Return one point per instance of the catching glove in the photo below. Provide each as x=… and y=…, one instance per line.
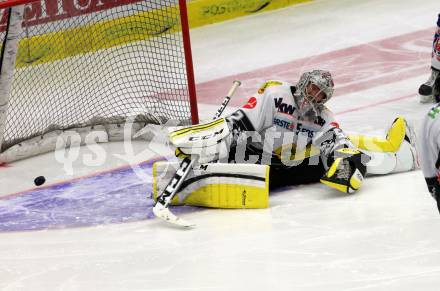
x=347, y=171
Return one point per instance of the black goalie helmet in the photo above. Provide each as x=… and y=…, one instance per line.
x=314, y=89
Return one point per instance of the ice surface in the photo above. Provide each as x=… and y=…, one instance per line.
x=95, y=226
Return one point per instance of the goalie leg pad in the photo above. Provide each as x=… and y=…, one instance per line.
x=394, y=139
x=208, y=142
x=217, y=185
x=201, y=135
x=397, y=153
x=405, y=159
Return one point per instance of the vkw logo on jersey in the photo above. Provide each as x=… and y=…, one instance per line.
x=283, y=107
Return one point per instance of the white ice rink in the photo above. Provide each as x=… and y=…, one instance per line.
x=91, y=228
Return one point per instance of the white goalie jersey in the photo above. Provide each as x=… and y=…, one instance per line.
x=273, y=112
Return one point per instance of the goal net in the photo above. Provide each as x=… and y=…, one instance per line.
x=83, y=63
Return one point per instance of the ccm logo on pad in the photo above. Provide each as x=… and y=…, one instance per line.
x=203, y=137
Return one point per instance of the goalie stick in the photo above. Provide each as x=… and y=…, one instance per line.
x=160, y=209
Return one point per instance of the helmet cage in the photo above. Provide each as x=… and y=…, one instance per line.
x=322, y=80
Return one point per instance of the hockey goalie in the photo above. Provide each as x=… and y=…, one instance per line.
x=284, y=135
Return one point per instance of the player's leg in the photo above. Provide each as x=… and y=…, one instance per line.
x=305, y=173
x=430, y=90
x=217, y=185
x=396, y=153
x=310, y=170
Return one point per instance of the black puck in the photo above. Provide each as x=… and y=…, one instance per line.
x=39, y=180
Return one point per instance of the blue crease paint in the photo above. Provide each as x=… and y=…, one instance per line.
x=118, y=196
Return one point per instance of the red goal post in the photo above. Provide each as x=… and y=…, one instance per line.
x=84, y=64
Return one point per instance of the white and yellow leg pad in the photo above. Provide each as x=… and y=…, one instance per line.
x=394, y=139
x=207, y=141
x=217, y=185
x=393, y=154
x=200, y=135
